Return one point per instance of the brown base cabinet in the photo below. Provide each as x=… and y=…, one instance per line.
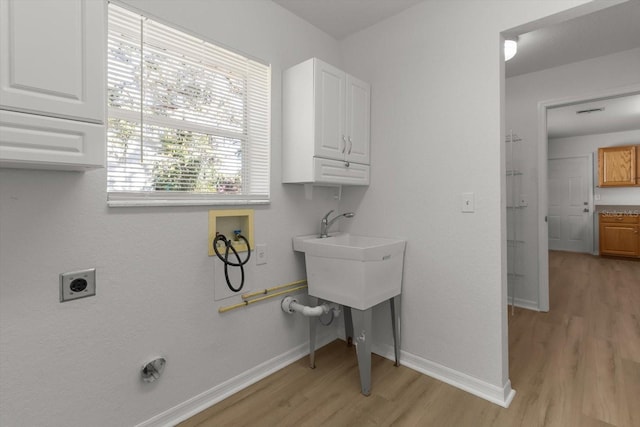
x=620, y=235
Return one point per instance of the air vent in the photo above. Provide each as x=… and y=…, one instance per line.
x=590, y=110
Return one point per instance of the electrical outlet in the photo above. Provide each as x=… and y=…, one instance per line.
x=261, y=254
x=77, y=284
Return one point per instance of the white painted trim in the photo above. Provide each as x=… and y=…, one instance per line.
x=543, y=142
x=199, y=403
x=526, y=304
x=502, y=396
x=543, y=209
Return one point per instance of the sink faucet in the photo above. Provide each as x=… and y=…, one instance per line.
x=326, y=223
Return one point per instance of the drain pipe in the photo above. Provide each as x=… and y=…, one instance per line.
x=290, y=305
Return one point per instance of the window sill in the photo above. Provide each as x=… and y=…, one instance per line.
x=117, y=200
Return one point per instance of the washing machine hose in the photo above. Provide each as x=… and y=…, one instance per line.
x=225, y=259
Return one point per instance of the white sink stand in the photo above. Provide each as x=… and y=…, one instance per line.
x=360, y=322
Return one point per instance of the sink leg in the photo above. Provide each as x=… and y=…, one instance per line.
x=348, y=325
x=395, y=325
x=362, y=320
x=313, y=322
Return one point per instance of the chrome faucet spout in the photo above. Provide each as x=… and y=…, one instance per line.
x=325, y=223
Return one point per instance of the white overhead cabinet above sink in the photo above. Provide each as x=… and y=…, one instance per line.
x=326, y=120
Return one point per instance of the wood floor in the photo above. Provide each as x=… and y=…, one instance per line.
x=578, y=365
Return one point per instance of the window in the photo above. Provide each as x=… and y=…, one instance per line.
x=188, y=120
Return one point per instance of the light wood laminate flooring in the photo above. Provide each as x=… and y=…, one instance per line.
x=578, y=365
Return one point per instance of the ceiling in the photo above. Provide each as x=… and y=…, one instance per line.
x=341, y=18
x=607, y=31
x=620, y=114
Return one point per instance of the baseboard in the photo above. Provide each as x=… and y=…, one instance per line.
x=499, y=395
x=524, y=303
x=193, y=406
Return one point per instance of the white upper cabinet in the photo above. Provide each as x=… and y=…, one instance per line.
x=325, y=117
x=52, y=83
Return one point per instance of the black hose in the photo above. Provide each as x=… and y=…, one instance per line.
x=225, y=259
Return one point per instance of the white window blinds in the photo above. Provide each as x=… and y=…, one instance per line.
x=188, y=120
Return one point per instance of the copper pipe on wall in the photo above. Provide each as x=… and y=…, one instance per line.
x=251, y=301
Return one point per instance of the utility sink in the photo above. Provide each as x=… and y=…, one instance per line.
x=356, y=271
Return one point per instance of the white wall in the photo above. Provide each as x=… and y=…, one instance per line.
x=523, y=93
x=78, y=363
x=436, y=81
x=588, y=145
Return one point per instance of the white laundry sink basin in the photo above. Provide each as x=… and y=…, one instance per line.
x=356, y=271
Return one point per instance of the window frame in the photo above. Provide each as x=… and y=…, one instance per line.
x=185, y=198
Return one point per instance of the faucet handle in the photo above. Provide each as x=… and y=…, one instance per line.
x=326, y=217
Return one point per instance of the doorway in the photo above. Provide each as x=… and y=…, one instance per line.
x=543, y=176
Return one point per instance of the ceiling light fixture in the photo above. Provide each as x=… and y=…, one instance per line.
x=510, y=47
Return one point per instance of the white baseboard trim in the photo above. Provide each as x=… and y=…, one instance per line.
x=524, y=303
x=499, y=395
x=199, y=403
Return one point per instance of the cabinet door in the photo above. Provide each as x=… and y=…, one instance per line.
x=619, y=239
x=52, y=59
x=358, y=120
x=617, y=166
x=638, y=165
x=330, y=138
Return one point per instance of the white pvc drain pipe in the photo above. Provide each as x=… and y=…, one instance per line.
x=290, y=305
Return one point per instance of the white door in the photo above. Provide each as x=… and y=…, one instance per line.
x=570, y=217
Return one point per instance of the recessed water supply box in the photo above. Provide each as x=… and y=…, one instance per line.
x=227, y=222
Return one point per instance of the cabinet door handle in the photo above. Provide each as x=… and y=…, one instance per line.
x=350, y=145
x=344, y=144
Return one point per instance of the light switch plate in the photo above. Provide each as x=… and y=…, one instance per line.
x=468, y=203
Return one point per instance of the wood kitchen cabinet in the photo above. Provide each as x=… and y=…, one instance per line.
x=52, y=84
x=326, y=125
x=620, y=235
x=619, y=166
x=638, y=165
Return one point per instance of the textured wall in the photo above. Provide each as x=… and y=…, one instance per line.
x=154, y=278
x=436, y=133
